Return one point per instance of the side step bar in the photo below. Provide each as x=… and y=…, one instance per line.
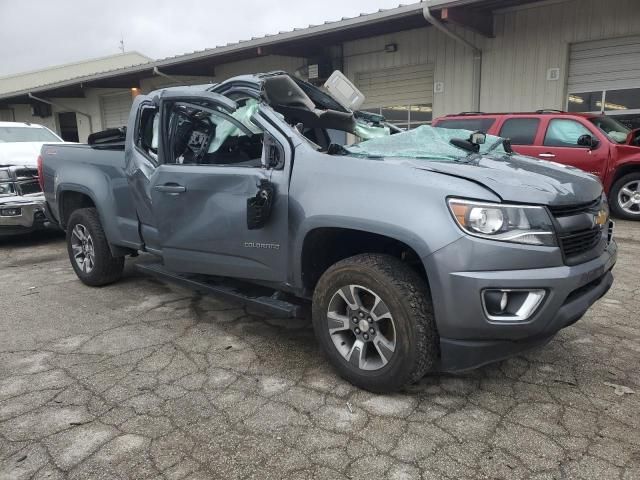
x=228, y=289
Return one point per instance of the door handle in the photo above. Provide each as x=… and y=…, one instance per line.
x=547, y=155
x=170, y=188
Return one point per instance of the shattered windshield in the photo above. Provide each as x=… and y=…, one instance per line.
x=425, y=143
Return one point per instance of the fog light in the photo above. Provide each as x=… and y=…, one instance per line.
x=508, y=305
x=10, y=212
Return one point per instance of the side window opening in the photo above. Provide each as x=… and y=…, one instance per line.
x=147, y=131
x=473, y=124
x=521, y=131
x=319, y=136
x=565, y=133
x=205, y=136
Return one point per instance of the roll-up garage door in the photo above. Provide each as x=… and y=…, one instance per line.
x=115, y=109
x=7, y=115
x=408, y=85
x=612, y=64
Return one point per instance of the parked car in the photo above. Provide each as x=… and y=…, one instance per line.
x=597, y=144
x=21, y=199
x=416, y=255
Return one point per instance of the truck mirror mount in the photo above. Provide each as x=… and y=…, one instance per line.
x=472, y=144
x=273, y=154
x=588, y=141
x=478, y=138
x=259, y=207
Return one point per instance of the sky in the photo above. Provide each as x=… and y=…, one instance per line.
x=36, y=34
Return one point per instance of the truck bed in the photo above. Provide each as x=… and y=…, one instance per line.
x=93, y=175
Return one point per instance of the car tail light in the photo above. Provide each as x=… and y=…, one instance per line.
x=40, y=173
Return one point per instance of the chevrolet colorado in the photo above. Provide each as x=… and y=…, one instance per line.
x=419, y=251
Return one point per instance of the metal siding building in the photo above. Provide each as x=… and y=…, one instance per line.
x=534, y=38
x=89, y=102
x=554, y=54
x=425, y=50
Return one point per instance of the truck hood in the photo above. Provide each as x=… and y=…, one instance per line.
x=513, y=178
x=516, y=178
x=20, y=153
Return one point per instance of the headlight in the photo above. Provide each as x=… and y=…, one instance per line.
x=6, y=189
x=4, y=175
x=505, y=223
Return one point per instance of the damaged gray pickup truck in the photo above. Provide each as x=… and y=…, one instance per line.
x=426, y=250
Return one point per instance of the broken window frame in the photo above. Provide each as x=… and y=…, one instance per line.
x=170, y=153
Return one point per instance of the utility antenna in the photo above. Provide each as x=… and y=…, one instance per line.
x=121, y=43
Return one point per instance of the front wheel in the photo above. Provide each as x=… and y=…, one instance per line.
x=625, y=197
x=89, y=250
x=373, y=318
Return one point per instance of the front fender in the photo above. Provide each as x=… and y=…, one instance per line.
x=421, y=245
x=389, y=198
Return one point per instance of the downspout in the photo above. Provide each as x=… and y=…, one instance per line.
x=65, y=108
x=156, y=71
x=477, y=54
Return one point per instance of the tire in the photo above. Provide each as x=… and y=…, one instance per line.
x=617, y=196
x=104, y=268
x=407, y=299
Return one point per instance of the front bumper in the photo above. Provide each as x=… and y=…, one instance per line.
x=468, y=339
x=30, y=218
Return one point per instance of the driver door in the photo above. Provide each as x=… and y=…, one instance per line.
x=560, y=143
x=213, y=160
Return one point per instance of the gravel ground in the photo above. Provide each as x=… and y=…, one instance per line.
x=145, y=380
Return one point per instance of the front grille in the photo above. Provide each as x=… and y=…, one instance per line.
x=577, y=243
x=29, y=188
x=568, y=210
x=26, y=173
x=578, y=233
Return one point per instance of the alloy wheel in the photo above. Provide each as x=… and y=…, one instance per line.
x=83, y=249
x=629, y=197
x=361, y=327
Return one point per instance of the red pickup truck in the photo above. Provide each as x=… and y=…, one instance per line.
x=597, y=144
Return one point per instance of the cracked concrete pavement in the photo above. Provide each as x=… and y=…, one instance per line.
x=145, y=380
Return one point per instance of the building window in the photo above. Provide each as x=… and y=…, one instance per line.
x=617, y=100
x=610, y=101
x=406, y=117
x=397, y=115
x=584, y=102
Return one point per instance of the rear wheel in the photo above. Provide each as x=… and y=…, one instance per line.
x=625, y=197
x=89, y=251
x=372, y=315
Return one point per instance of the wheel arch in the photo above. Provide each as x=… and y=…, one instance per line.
x=631, y=166
x=325, y=244
x=77, y=197
x=72, y=199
